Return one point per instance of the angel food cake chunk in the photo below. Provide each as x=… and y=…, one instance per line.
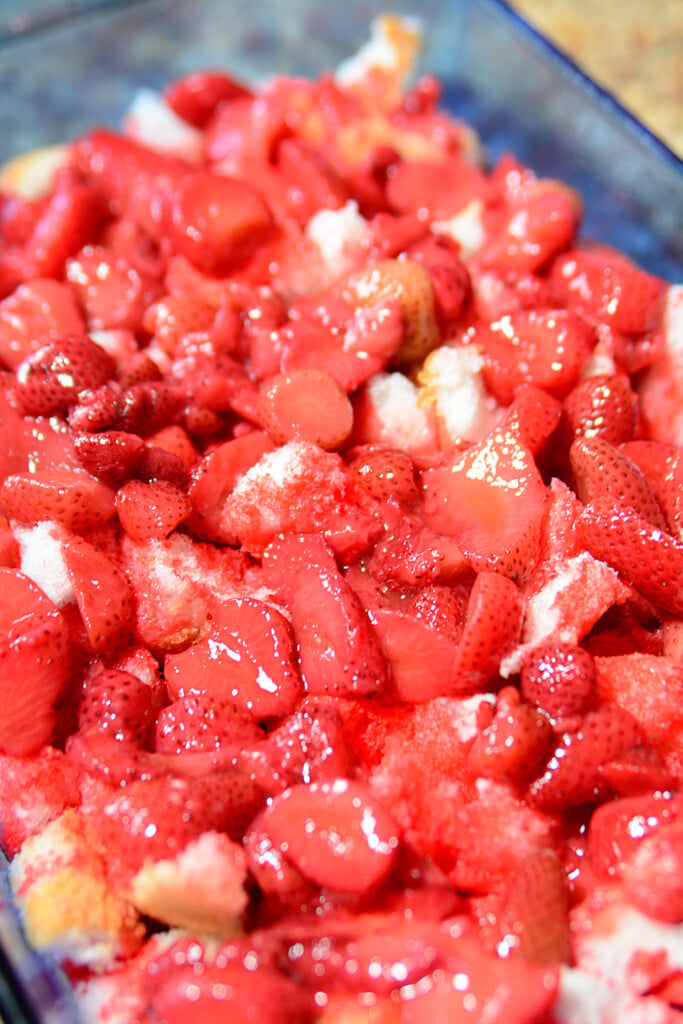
x=341, y=569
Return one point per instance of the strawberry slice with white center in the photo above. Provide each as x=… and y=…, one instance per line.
x=247, y=658
x=491, y=499
x=34, y=663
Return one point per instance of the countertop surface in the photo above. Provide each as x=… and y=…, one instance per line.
x=631, y=48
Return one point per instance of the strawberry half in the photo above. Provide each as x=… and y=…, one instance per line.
x=601, y=470
x=492, y=625
x=34, y=663
x=305, y=404
x=119, y=704
x=150, y=511
x=103, y=594
x=51, y=379
x=36, y=311
x=74, y=499
x=491, y=499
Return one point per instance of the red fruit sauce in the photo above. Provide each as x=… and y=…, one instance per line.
x=341, y=573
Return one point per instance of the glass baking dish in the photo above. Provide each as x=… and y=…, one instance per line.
x=64, y=67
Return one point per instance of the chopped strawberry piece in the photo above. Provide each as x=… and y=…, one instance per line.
x=559, y=679
x=602, y=406
x=36, y=311
x=305, y=404
x=545, y=348
x=75, y=500
x=442, y=608
x=437, y=191
x=420, y=658
x=197, y=96
x=110, y=290
x=409, y=284
x=48, y=772
x=339, y=652
x=617, y=828
x=51, y=379
x=150, y=511
x=215, y=476
x=385, y=472
x=491, y=499
x=292, y=553
x=335, y=833
x=105, y=599
x=34, y=664
x=248, y=657
x=512, y=746
x=71, y=216
x=492, y=625
x=601, y=470
x=644, y=555
x=217, y=221
x=9, y=549
x=112, y=455
x=200, y=723
x=119, y=704
x=311, y=182
x=532, y=415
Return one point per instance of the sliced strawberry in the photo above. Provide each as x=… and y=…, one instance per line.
x=216, y=475
x=442, y=608
x=305, y=404
x=37, y=310
x=532, y=415
x=51, y=379
x=601, y=470
x=412, y=554
x=385, y=472
x=602, y=406
x=653, y=877
x=491, y=499
x=118, y=704
x=105, y=599
x=573, y=774
x=75, y=500
x=150, y=511
x=248, y=658
x=649, y=688
x=617, y=828
x=492, y=626
x=546, y=348
x=291, y=553
x=217, y=221
x=670, y=494
x=111, y=456
x=420, y=658
x=34, y=663
x=9, y=549
x=436, y=190
x=539, y=221
x=200, y=724
x=197, y=96
x=409, y=284
x=310, y=181
x=605, y=286
x=110, y=290
x=646, y=557
x=335, y=833
x=69, y=219
x=338, y=650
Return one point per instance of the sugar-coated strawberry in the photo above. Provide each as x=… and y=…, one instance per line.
x=492, y=626
x=248, y=657
x=336, y=833
x=545, y=348
x=648, y=687
x=118, y=704
x=216, y=474
x=605, y=286
x=103, y=594
x=491, y=499
x=644, y=555
x=385, y=472
x=339, y=652
x=573, y=774
x=409, y=284
x=75, y=500
x=34, y=663
x=110, y=290
x=35, y=311
x=51, y=379
x=602, y=470
x=200, y=723
x=442, y=608
x=157, y=818
x=559, y=679
x=603, y=406
x=48, y=772
x=512, y=746
x=216, y=221
x=111, y=455
x=150, y=511
x=305, y=404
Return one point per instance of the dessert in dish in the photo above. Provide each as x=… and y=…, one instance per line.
x=341, y=569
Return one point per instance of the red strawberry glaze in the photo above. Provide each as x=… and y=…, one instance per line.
x=341, y=611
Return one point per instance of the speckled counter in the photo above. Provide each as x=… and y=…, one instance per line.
x=633, y=49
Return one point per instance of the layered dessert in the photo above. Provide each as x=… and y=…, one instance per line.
x=341, y=569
